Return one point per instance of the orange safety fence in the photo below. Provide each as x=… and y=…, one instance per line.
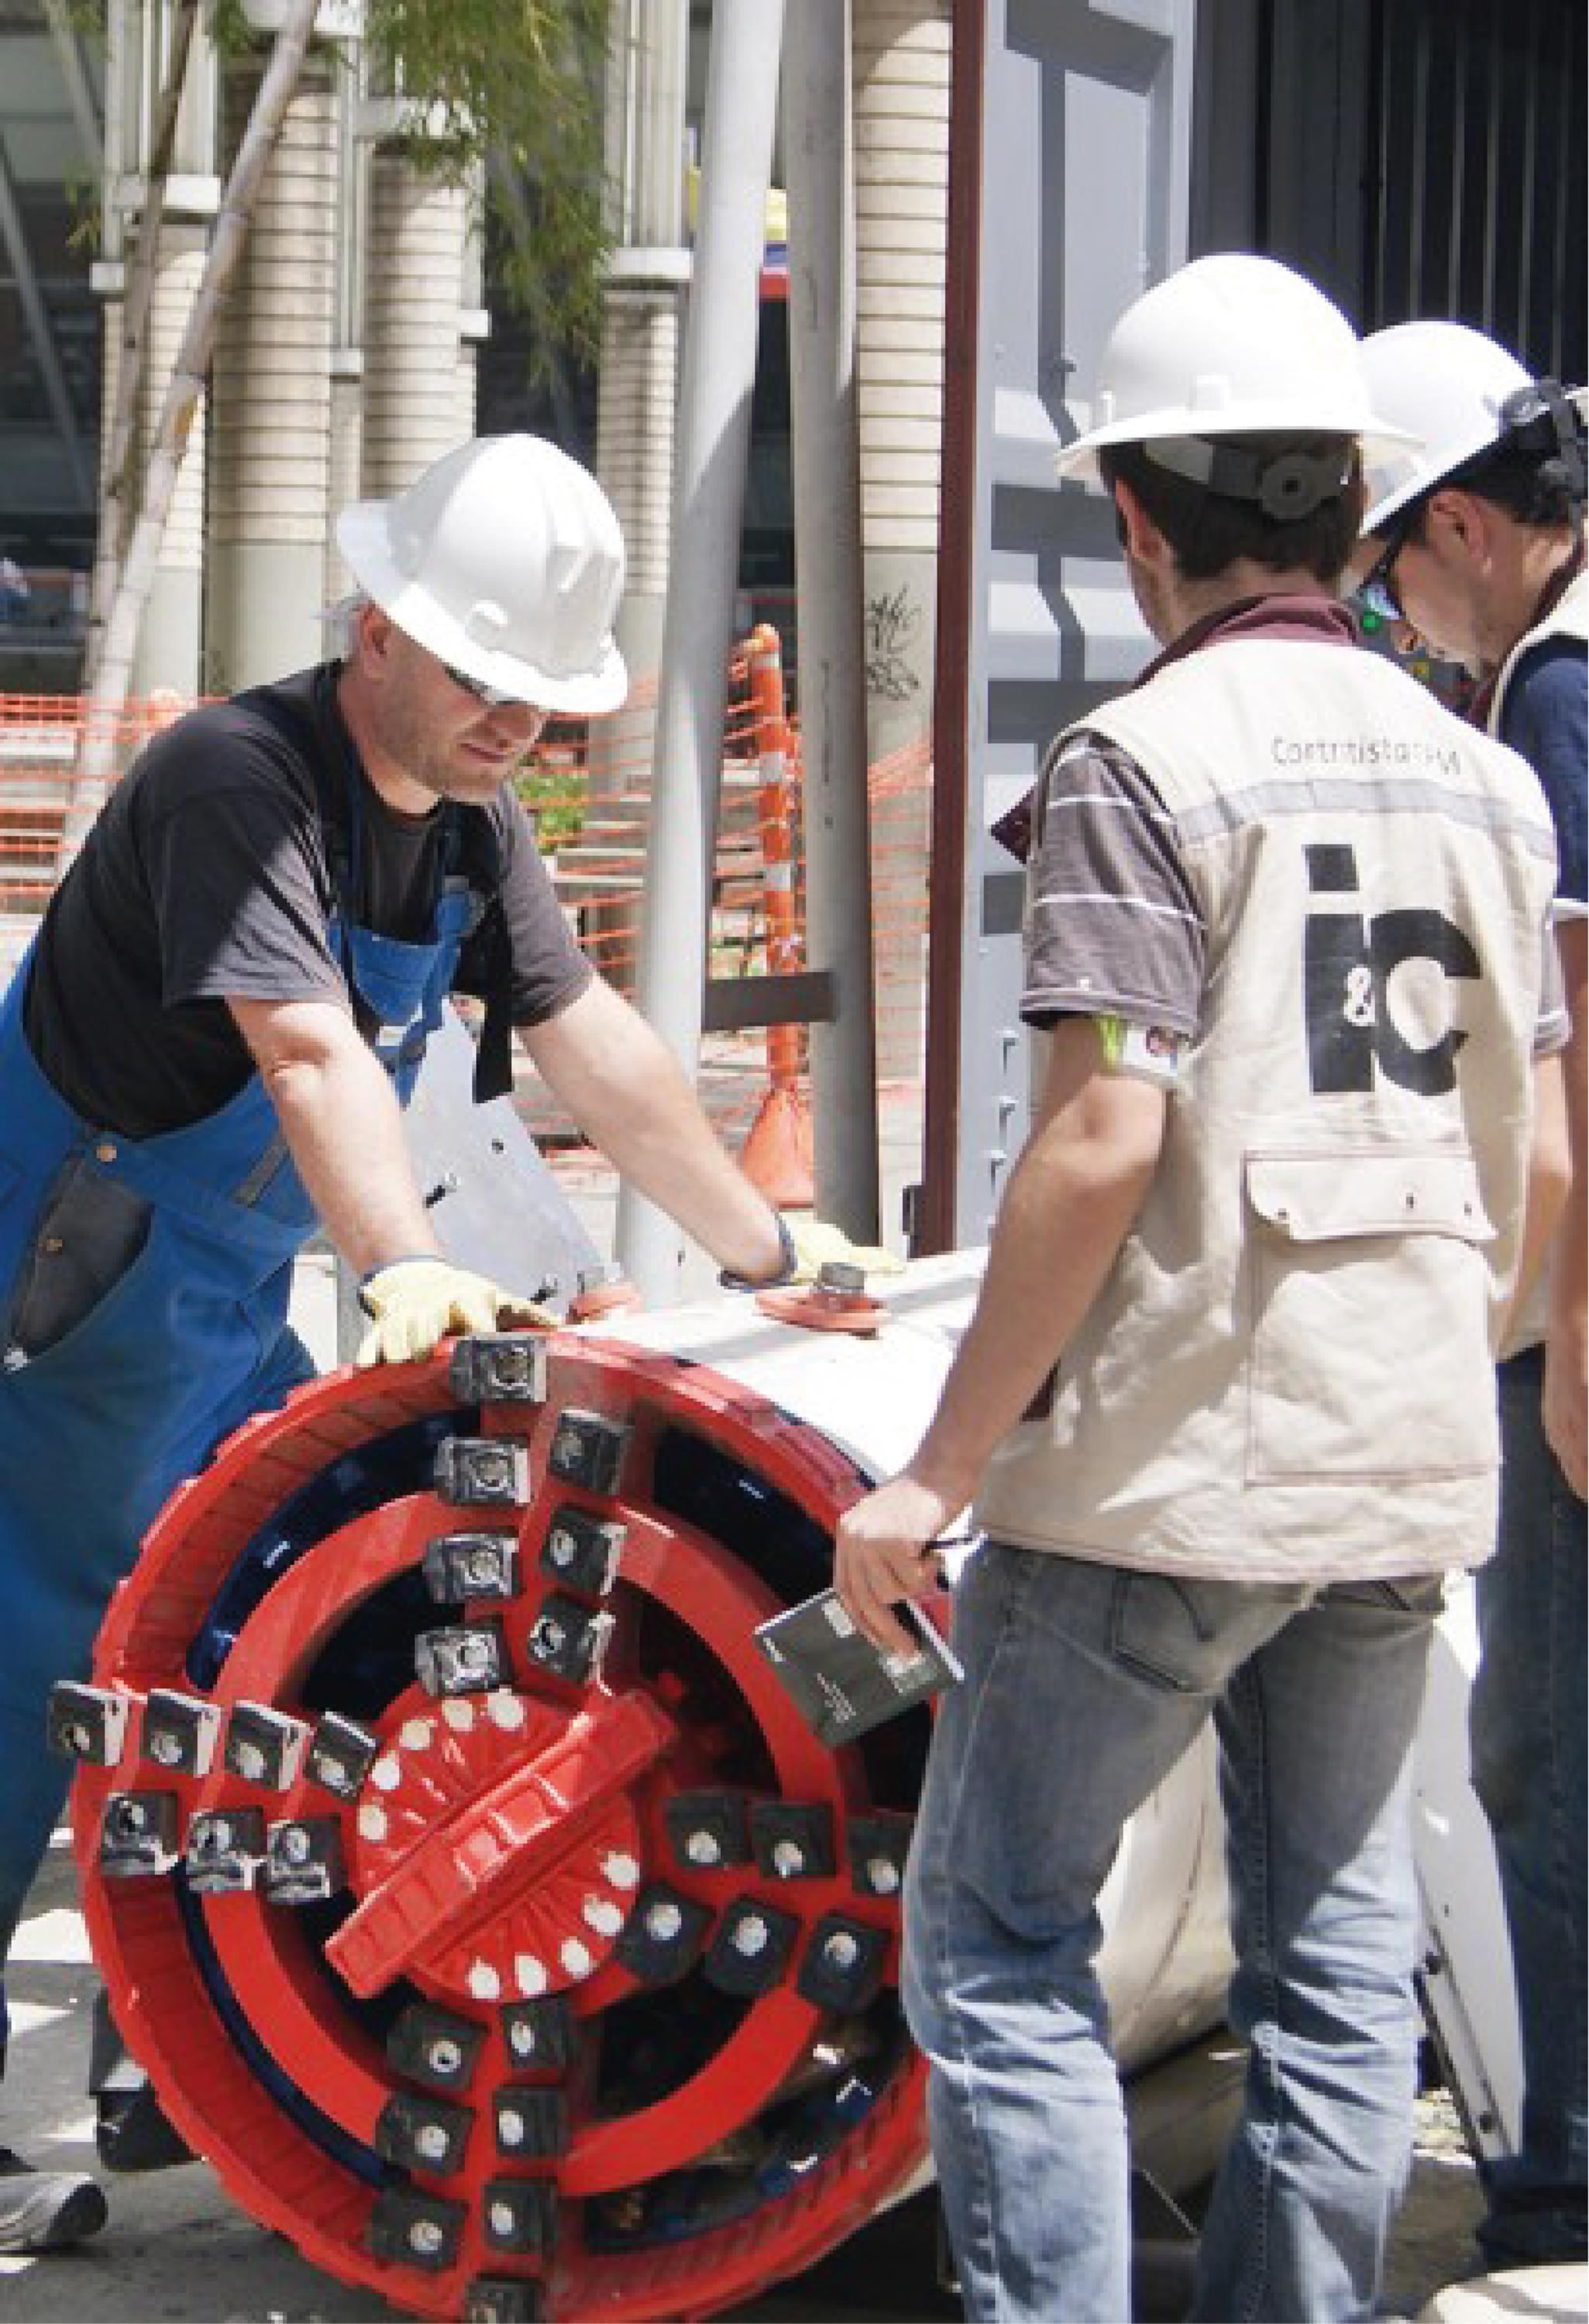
x=587, y=790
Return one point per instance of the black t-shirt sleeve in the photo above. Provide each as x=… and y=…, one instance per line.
x=238, y=883
x=205, y=878
x=547, y=969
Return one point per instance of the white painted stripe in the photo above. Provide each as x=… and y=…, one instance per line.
x=1115, y=904
x=1109, y=798
x=54, y=1936
x=31, y=2016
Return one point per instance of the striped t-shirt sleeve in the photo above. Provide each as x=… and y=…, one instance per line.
x=1112, y=925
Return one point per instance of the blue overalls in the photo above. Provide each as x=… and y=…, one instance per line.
x=98, y=1426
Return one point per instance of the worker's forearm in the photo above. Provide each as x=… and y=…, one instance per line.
x=1567, y=1339
x=1059, y=1231
x=664, y=1147
x=343, y=1126
x=624, y=1088
x=1070, y=1204
x=1549, y=1173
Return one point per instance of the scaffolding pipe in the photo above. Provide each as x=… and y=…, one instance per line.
x=824, y=433
x=714, y=438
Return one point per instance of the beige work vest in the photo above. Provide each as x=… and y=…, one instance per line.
x=1288, y=1374
x=1569, y=618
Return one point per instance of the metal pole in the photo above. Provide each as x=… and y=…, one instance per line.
x=80, y=92
x=46, y=353
x=713, y=438
x=825, y=430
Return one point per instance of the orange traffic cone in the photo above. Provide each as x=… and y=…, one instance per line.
x=776, y=1157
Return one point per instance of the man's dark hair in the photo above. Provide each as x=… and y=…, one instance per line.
x=1209, y=529
x=1530, y=489
x=1535, y=473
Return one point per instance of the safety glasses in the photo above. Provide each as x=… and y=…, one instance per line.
x=1377, y=592
x=491, y=697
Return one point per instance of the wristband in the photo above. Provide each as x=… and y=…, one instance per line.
x=786, y=1273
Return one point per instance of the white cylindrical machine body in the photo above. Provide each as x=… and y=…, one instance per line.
x=1166, y=1956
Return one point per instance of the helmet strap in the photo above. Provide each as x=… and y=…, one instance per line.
x=1287, y=486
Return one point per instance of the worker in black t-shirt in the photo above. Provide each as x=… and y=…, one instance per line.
x=205, y=1055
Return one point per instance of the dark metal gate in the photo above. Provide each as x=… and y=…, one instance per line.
x=1418, y=157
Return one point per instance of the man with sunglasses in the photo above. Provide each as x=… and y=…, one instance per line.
x=1477, y=540
x=206, y=1055
x=1224, y=1411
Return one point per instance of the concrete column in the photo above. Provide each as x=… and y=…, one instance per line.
x=168, y=641
x=901, y=131
x=473, y=314
x=344, y=476
x=270, y=398
x=901, y=144
x=636, y=401
x=414, y=289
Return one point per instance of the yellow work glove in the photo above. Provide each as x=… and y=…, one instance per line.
x=817, y=1246
x=413, y=1302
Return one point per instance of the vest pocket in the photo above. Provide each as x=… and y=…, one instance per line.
x=1370, y=1354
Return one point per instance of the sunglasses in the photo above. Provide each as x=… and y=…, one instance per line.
x=491, y=697
x=1377, y=591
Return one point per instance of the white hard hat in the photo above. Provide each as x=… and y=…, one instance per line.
x=1459, y=392
x=504, y=559
x=1229, y=345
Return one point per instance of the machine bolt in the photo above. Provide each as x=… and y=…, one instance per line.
x=249, y=1760
x=562, y=1547
x=789, y=1860
x=425, y=2235
x=841, y=1276
x=883, y=1875
x=133, y=1816
x=750, y=1935
x=295, y=1845
x=841, y=1950
x=76, y=1738
x=703, y=1848
x=445, y=2057
x=663, y=1921
x=510, y=2127
x=501, y=2217
x=167, y=1748
x=430, y=2140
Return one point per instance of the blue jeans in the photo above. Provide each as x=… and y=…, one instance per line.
x=1527, y=1725
x=1084, y=1684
